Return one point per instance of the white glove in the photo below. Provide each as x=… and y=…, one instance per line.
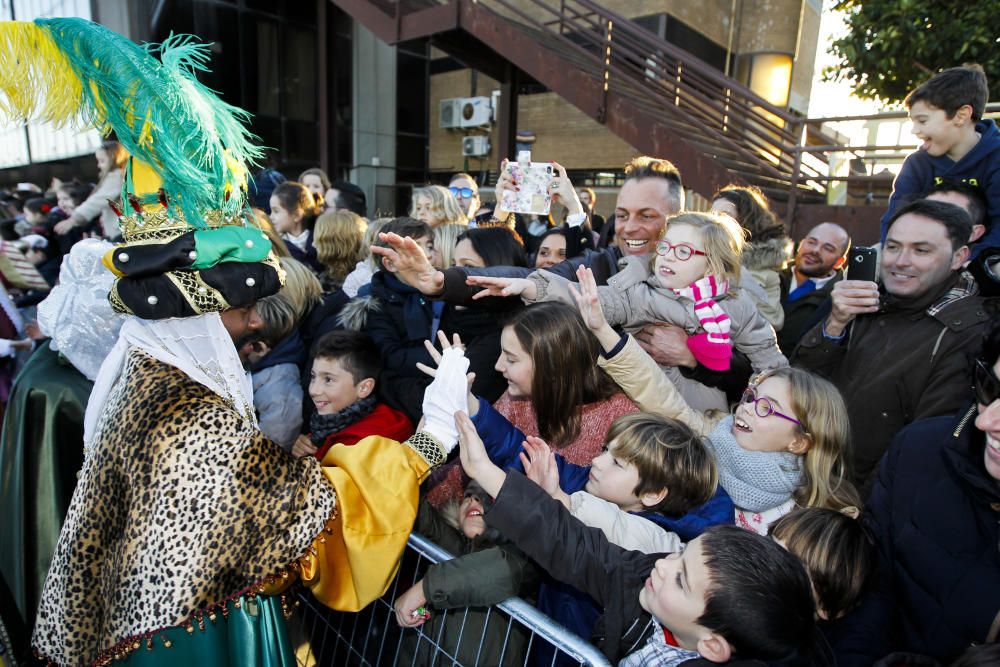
x=445, y=396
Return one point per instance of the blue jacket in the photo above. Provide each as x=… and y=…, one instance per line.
x=567, y=605
x=288, y=350
x=980, y=167
x=935, y=516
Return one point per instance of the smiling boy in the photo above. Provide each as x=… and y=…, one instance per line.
x=957, y=144
x=345, y=367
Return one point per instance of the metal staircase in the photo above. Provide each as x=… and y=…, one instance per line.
x=654, y=95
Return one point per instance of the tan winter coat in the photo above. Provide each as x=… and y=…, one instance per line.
x=632, y=299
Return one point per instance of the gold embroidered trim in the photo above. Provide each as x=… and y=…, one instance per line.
x=117, y=304
x=157, y=224
x=202, y=297
x=427, y=447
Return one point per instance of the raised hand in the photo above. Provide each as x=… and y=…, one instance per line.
x=409, y=260
x=445, y=395
x=505, y=182
x=561, y=189
x=540, y=464
x=503, y=287
x=587, y=301
x=456, y=342
x=475, y=461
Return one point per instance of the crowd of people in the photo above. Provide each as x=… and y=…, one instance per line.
x=686, y=436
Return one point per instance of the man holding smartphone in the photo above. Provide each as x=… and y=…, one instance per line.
x=898, y=352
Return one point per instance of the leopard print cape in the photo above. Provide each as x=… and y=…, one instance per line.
x=181, y=504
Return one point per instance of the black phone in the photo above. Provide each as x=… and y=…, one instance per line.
x=862, y=263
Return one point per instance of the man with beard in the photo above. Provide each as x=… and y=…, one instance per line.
x=806, y=285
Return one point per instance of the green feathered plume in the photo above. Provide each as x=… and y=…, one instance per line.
x=199, y=145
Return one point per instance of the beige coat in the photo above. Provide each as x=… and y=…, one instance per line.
x=632, y=298
x=642, y=379
x=628, y=531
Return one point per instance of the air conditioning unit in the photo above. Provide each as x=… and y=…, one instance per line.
x=450, y=113
x=465, y=112
x=475, y=146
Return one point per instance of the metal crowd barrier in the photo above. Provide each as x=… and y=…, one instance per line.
x=372, y=637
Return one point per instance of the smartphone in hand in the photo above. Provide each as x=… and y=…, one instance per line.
x=532, y=179
x=862, y=264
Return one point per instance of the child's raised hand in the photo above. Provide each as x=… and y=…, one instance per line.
x=540, y=464
x=456, y=341
x=475, y=461
x=585, y=295
x=410, y=261
x=503, y=287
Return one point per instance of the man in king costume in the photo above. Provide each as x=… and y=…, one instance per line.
x=185, y=515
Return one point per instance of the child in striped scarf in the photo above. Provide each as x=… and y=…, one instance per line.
x=693, y=281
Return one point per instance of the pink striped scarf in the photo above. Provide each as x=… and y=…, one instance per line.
x=714, y=348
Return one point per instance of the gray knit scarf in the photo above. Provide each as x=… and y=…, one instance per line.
x=756, y=481
x=323, y=426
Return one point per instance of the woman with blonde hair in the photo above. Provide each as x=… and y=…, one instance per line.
x=436, y=206
x=317, y=311
x=445, y=240
x=338, y=237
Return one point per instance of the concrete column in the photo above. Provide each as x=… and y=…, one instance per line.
x=373, y=95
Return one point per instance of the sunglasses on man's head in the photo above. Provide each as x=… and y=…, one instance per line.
x=465, y=193
x=985, y=384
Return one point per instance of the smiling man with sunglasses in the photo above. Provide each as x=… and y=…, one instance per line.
x=897, y=351
x=464, y=189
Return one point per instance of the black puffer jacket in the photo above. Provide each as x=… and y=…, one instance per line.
x=935, y=515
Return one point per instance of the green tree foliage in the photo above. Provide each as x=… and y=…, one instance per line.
x=892, y=46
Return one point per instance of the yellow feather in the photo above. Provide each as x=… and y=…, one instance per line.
x=36, y=80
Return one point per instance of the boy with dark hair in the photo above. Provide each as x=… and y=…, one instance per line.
x=345, y=368
x=958, y=144
x=402, y=319
x=729, y=596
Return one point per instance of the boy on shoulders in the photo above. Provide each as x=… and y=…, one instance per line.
x=958, y=144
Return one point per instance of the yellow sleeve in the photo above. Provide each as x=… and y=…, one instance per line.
x=377, y=483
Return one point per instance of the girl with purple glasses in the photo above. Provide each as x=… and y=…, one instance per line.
x=781, y=446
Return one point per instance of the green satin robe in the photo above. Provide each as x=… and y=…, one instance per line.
x=41, y=451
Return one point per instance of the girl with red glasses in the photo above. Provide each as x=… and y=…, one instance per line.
x=692, y=281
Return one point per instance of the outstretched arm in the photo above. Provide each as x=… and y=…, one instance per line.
x=409, y=260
